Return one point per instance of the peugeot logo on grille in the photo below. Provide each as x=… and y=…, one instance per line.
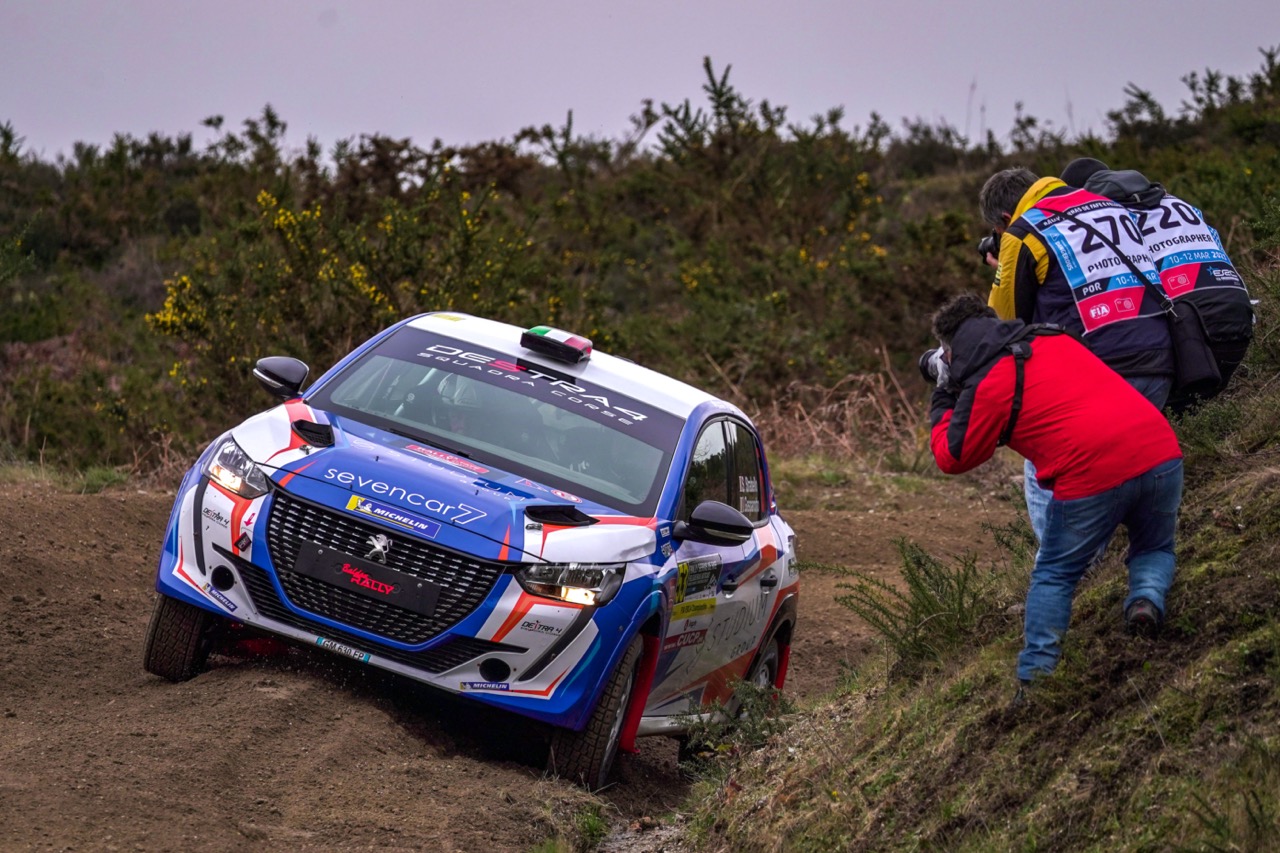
x=379, y=545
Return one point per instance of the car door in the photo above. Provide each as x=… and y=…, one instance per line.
x=717, y=604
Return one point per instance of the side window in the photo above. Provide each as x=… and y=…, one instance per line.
x=708, y=477
x=746, y=485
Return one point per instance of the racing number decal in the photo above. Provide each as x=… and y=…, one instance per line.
x=695, y=576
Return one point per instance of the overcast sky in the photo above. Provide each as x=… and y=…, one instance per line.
x=479, y=70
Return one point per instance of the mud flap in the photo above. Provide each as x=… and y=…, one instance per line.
x=639, y=695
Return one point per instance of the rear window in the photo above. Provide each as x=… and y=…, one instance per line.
x=511, y=414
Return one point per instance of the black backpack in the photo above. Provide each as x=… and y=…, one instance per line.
x=1224, y=315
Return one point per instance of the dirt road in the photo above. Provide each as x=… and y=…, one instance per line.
x=299, y=750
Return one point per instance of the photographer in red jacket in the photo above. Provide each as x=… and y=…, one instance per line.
x=1105, y=451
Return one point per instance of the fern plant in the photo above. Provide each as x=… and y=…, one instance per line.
x=943, y=606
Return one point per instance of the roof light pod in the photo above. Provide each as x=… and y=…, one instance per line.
x=557, y=344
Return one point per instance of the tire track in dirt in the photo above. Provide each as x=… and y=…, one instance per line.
x=303, y=750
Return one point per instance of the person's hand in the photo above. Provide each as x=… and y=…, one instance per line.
x=989, y=249
x=934, y=367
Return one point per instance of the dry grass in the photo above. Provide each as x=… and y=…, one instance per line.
x=864, y=416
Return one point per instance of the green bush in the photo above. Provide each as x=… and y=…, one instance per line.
x=945, y=606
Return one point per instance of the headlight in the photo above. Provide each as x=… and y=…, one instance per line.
x=231, y=468
x=591, y=584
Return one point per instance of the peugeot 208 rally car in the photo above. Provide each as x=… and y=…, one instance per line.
x=499, y=513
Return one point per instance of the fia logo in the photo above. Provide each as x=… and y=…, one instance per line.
x=1097, y=312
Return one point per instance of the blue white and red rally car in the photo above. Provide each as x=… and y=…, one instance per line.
x=499, y=513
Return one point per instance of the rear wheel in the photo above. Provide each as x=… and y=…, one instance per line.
x=764, y=672
x=761, y=677
x=587, y=756
x=179, y=639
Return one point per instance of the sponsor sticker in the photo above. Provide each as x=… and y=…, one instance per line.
x=680, y=641
x=693, y=608
x=391, y=515
x=216, y=517
x=556, y=385
x=342, y=649
x=455, y=513
x=695, y=576
x=537, y=626
x=217, y=596
x=447, y=458
x=485, y=685
x=360, y=577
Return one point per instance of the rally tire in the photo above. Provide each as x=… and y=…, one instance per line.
x=179, y=638
x=764, y=671
x=587, y=756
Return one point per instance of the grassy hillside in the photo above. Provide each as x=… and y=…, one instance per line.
x=1133, y=744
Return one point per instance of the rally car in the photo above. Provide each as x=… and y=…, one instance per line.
x=500, y=513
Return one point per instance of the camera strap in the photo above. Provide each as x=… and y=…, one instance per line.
x=1020, y=348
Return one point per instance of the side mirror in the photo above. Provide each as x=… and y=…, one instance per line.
x=281, y=376
x=714, y=523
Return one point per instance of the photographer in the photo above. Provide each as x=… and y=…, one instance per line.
x=1109, y=456
x=1188, y=254
x=1052, y=269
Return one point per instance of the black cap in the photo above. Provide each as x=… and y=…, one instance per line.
x=1080, y=170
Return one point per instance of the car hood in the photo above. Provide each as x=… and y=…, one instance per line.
x=432, y=493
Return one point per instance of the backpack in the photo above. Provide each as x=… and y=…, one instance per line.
x=1205, y=351
x=1224, y=315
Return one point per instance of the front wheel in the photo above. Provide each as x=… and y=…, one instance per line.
x=178, y=639
x=587, y=756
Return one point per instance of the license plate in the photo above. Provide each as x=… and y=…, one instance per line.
x=366, y=578
x=342, y=649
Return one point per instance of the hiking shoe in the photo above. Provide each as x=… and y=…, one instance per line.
x=1142, y=618
x=1022, y=698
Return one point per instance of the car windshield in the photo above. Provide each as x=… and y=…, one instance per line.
x=515, y=415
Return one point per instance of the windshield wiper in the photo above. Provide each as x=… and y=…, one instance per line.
x=431, y=441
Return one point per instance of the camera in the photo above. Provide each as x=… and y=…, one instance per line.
x=934, y=367
x=989, y=245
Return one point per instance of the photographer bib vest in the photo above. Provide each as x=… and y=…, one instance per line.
x=1091, y=290
x=1192, y=262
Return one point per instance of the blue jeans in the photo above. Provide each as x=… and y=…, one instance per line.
x=1154, y=388
x=1148, y=506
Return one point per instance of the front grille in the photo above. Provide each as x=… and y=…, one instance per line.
x=464, y=581
x=441, y=658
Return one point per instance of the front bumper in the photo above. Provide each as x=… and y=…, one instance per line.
x=234, y=557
